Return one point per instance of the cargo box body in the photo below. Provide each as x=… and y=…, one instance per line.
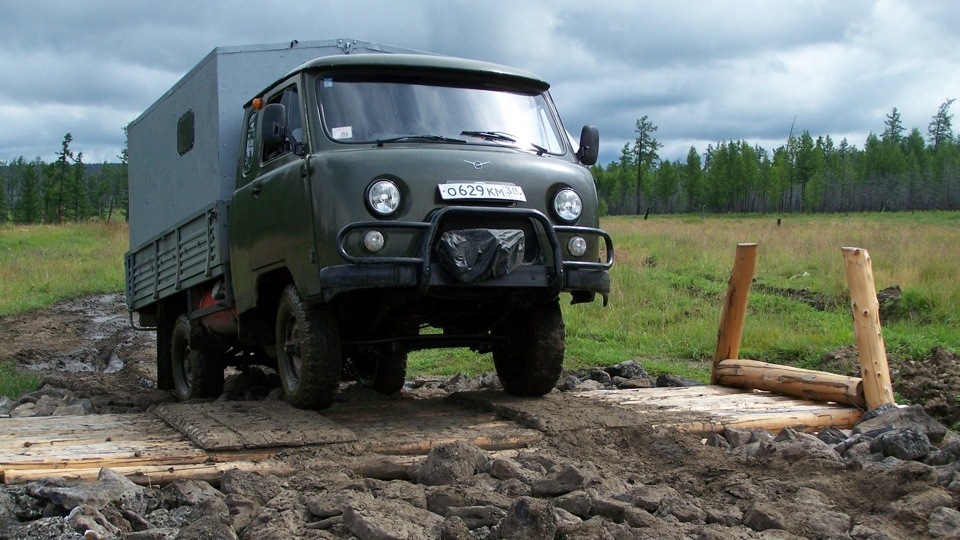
x=183, y=160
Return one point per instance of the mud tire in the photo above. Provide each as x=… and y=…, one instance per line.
x=308, y=352
x=384, y=372
x=530, y=360
x=195, y=374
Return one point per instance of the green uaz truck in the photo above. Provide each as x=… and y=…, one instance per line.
x=325, y=208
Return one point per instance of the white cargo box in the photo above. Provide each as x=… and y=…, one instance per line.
x=173, y=179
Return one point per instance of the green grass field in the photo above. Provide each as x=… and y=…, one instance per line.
x=671, y=274
x=43, y=264
x=669, y=281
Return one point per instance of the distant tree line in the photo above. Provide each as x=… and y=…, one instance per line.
x=65, y=190
x=894, y=171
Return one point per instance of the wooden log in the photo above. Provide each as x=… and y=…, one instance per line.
x=734, y=312
x=423, y=447
x=811, y=421
x=792, y=381
x=151, y=475
x=877, y=387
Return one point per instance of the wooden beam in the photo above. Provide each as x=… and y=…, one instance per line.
x=152, y=474
x=807, y=421
x=734, y=311
x=792, y=381
x=877, y=387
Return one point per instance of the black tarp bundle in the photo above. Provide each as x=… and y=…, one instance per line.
x=472, y=255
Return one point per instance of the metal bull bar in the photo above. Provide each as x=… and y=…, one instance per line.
x=422, y=260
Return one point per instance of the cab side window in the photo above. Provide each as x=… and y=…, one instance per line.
x=291, y=102
x=250, y=142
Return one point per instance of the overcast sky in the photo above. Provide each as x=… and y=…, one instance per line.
x=702, y=71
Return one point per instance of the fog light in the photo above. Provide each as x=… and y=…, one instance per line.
x=577, y=246
x=373, y=241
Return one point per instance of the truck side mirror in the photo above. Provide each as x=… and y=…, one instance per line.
x=273, y=128
x=589, y=145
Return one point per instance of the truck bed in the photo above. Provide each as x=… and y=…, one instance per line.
x=194, y=251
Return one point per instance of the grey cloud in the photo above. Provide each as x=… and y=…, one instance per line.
x=703, y=72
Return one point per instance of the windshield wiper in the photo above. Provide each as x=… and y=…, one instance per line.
x=502, y=137
x=431, y=138
x=490, y=135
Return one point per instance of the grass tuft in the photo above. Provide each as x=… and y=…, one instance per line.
x=15, y=382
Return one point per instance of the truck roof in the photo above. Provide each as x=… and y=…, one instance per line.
x=425, y=61
x=416, y=61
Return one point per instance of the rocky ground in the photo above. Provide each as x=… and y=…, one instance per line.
x=896, y=475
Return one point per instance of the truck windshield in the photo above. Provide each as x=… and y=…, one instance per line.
x=376, y=108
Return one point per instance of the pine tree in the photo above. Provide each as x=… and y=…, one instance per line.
x=645, y=148
x=4, y=181
x=691, y=179
x=57, y=185
x=77, y=200
x=940, y=130
x=28, y=208
x=893, y=132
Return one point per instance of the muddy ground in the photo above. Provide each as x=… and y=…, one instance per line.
x=589, y=483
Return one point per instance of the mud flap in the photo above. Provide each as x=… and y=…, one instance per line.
x=472, y=255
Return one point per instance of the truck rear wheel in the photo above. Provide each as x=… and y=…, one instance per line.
x=530, y=360
x=308, y=352
x=195, y=374
x=384, y=372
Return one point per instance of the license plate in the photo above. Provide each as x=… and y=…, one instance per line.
x=481, y=190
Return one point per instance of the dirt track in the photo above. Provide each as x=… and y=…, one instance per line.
x=622, y=482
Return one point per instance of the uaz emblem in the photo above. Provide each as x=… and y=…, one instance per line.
x=476, y=164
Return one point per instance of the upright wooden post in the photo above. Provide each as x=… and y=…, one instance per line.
x=877, y=388
x=735, y=307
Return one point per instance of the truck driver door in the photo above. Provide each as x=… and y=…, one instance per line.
x=271, y=216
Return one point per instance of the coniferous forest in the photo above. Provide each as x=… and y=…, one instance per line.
x=65, y=190
x=897, y=170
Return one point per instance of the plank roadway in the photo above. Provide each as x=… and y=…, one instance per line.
x=202, y=440
x=697, y=409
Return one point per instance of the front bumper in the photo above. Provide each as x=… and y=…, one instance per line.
x=549, y=274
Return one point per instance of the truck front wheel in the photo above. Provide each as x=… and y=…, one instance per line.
x=195, y=374
x=308, y=352
x=530, y=358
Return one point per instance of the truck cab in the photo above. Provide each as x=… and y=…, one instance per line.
x=387, y=203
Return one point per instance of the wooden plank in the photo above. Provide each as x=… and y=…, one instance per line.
x=144, y=446
x=663, y=394
x=812, y=421
x=229, y=425
x=695, y=409
x=90, y=426
x=55, y=439
x=721, y=403
x=414, y=427
x=152, y=474
x=420, y=446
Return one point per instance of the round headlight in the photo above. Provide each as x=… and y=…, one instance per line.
x=383, y=197
x=567, y=205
